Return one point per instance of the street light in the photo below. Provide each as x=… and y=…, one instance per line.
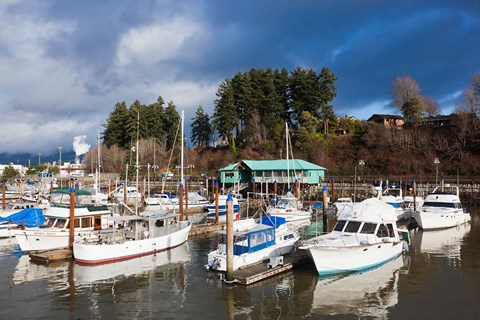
x=436, y=171
x=361, y=163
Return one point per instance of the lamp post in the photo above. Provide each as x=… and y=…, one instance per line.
x=436, y=171
x=361, y=163
x=39, y=155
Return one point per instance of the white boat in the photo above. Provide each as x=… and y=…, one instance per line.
x=392, y=194
x=157, y=199
x=136, y=236
x=410, y=201
x=15, y=207
x=17, y=221
x=341, y=203
x=222, y=208
x=133, y=196
x=442, y=209
x=364, y=236
x=356, y=293
x=253, y=242
x=289, y=207
x=89, y=220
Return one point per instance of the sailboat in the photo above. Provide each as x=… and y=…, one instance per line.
x=137, y=235
x=289, y=206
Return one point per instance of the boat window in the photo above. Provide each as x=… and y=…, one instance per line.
x=352, y=226
x=76, y=223
x=339, y=226
x=49, y=222
x=390, y=229
x=368, y=228
x=382, y=231
x=60, y=223
x=86, y=222
x=439, y=204
x=159, y=223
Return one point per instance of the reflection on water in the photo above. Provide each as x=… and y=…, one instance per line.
x=369, y=293
x=439, y=278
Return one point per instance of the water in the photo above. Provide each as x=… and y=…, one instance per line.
x=438, y=279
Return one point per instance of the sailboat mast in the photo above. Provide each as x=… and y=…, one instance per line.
x=97, y=169
x=181, y=152
x=288, y=164
x=136, y=162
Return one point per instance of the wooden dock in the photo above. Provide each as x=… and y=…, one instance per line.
x=45, y=257
x=262, y=271
x=205, y=229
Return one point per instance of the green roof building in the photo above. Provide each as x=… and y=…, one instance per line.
x=281, y=171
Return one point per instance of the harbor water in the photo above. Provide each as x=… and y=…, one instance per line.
x=439, y=278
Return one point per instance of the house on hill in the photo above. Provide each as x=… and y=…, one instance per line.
x=388, y=120
x=281, y=171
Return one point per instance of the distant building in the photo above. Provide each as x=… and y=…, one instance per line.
x=388, y=120
x=248, y=171
x=439, y=121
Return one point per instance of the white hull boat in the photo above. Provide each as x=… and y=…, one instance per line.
x=442, y=210
x=139, y=236
x=365, y=236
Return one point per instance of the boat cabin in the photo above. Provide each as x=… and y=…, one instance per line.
x=381, y=230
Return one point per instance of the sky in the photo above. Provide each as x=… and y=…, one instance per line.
x=65, y=64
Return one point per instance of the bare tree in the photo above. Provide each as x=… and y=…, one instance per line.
x=403, y=90
x=430, y=106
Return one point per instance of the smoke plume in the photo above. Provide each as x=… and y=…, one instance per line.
x=80, y=146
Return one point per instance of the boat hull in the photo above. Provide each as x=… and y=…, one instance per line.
x=429, y=220
x=98, y=253
x=334, y=260
x=39, y=240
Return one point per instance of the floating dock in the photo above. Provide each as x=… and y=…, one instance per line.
x=205, y=228
x=45, y=257
x=262, y=271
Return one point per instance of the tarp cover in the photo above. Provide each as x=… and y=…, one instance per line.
x=372, y=210
x=273, y=221
x=30, y=217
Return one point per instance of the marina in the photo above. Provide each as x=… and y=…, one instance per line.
x=438, y=278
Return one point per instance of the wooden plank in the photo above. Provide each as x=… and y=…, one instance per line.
x=261, y=271
x=46, y=257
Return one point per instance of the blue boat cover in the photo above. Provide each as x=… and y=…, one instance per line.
x=273, y=221
x=30, y=217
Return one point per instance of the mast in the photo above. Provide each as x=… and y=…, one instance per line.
x=181, y=152
x=288, y=164
x=136, y=163
x=97, y=169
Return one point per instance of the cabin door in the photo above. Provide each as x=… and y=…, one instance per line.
x=97, y=223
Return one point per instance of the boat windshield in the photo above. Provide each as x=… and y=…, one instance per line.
x=368, y=228
x=441, y=204
x=339, y=226
x=60, y=223
x=352, y=226
x=49, y=222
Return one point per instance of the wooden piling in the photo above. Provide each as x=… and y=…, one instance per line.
x=71, y=223
x=325, y=207
x=4, y=205
x=229, y=275
x=180, y=201
x=216, y=201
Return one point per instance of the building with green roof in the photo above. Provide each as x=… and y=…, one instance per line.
x=281, y=171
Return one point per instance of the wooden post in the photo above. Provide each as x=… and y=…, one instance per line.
x=216, y=201
x=109, y=199
x=442, y=181
x=275, y=193
x=213, y=188
x=180, y=201
x=125, y=192
x=229, y=277
x=76, y=186
x=332, y=180
x=71, y=223
x=414, y=195
x=325, y=207
x=297, y=189
x=186, y=194
x=51, y=187
x=4, y=205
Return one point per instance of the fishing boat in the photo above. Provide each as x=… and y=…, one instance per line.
x=137, y=235
x=289, y=208
x=222, y=208
x=129, y=193
x=442, y=209
x=90, y=218
x=364, y=236
x=253, y=242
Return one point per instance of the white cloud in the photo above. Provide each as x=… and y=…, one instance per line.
x=160, y=41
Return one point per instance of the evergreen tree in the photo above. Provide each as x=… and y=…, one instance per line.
x=171, y=124
x=9, y=172
x=225, y=113
x=303, y=93
x=115, y=127
x=201, y=129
